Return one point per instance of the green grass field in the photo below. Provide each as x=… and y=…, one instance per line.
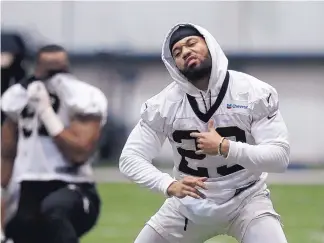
x=126, y=207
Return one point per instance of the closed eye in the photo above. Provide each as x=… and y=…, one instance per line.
x=191, y=44
x=176, y=54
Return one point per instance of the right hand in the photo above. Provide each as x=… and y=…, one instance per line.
x=187, y=187
x=38, y=96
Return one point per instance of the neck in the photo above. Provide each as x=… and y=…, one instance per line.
x=202, y=84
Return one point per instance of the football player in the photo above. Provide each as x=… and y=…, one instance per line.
x=226, y=133
x=53, y=126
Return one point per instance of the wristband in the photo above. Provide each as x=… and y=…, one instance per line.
x=220, y=147
x=52, y=122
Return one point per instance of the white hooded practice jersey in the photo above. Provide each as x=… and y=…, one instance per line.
x=38, y=157
x=244, y=109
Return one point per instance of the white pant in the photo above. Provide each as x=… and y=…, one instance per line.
x=256, y=222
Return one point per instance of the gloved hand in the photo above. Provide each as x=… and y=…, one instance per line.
x=38, y=97
x=40, y=100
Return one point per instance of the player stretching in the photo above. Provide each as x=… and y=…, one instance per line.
x=53, y=126
x=226, y=133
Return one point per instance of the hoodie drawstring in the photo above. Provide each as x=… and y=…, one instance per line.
x=205, y=101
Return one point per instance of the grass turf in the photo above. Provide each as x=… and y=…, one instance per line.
x=126, y=207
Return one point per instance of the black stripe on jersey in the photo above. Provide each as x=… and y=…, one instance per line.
x=206, y=116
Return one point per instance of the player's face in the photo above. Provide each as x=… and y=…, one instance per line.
x=192, y=57
x=51, y=61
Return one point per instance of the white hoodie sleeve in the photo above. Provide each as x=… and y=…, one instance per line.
x=142, y=146
x=271, y=152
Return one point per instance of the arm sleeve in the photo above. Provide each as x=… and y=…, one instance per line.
x=271, y=152
x=13, y=101
x=142, y=146
x=80, y=97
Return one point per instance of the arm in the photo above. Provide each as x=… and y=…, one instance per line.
x=78, y=141
x=9, y=138
x=271, y=154
x=135, y=162
x=271, y=150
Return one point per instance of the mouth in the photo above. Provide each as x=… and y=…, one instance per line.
x=190, y=61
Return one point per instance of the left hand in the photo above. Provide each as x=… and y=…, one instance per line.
x=208, y=142
x=38, y=97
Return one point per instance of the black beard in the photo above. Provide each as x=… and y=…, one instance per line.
x=196, y=73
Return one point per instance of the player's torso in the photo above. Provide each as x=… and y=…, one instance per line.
x=232, y=120
x=38, y=157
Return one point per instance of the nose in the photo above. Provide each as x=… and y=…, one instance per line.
x=186, y=52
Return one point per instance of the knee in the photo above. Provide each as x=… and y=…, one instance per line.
x=23, y=226
x=52, y=209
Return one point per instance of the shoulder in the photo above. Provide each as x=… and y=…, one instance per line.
x=262, y=98
x=159, y=110
x=245, y=83
x=80, y=97
x=170, y=95
x=13, y=100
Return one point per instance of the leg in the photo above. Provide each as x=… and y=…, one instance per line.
x=68, y=213
x=149, y=235
x=23, y=227
x=171, y=226
x=258, y=222
x=266, y=229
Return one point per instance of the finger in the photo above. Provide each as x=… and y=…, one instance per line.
x=201, y=184
x=189, y=188
x=200, y=152
x=189, y=181
x=196, y=192
x=192, y=194
x=193, y=182
x=196, y=135
x=203, y=178
x=211, y=127
x=201, y=140
x=200, y=146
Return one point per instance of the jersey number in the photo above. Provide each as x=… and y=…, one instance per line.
x=180, y=135
x=27, y=113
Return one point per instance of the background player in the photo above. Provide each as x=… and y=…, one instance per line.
x=53, y=125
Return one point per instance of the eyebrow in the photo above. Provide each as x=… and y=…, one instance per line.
x=187, y=41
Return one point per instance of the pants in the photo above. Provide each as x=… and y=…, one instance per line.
x=53, y=212
x=256, y=222
x=265, y=229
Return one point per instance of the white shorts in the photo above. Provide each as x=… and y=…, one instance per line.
x=176, y=228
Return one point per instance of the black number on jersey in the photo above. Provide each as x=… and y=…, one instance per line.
x=28, y=113
x=180, y=135
x=239, y=135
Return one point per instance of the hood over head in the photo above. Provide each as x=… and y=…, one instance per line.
x=219, y=63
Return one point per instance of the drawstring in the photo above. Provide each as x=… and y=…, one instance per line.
x=210, y=99
x=205, y=101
